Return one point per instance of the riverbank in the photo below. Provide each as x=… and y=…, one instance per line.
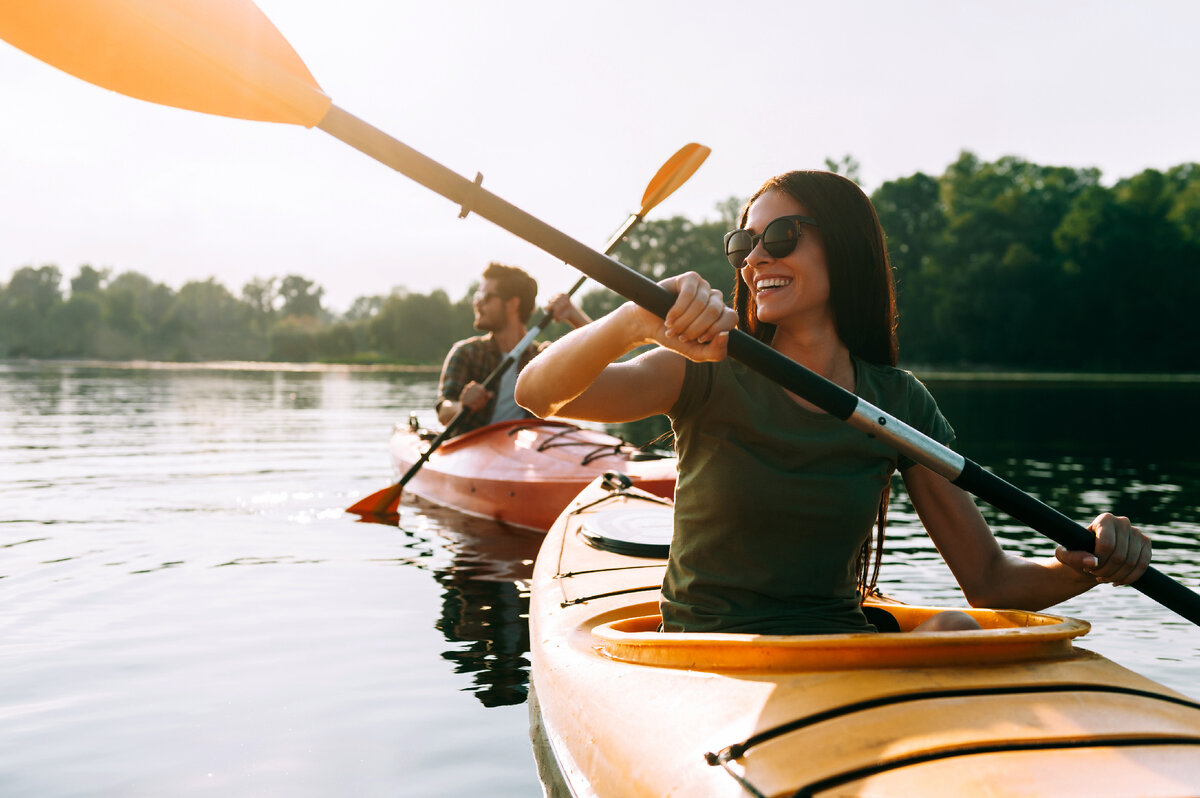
x=229, y=365
x=931, y=373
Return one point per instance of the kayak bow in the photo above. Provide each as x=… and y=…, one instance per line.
x=523, y=473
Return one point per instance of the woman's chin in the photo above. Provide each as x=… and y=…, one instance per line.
x=769, y=313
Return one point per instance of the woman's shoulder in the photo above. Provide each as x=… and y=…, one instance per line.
x=884, y=375
x=890, y=385
x=899, y=392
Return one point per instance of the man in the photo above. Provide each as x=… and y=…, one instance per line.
x=503, y=305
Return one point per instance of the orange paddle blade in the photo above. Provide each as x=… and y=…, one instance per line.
x=673, y=174
x=381, y=502
x=214, y=56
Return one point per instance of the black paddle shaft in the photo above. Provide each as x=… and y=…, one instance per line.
x=831, y=398
x=1008, y=498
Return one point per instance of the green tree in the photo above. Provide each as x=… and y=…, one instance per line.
x=913, y=217
x=293, y=339
x=211, y=324
x=300, y=297
x=336, y=342
x=664, y=247
x=1001, y=275
x=414, y=328
x=1135, y=265
x=77, y=324
x=1184, y=212
x=260, y=296
x=88, y=281
x=847, y=166
x=364, y=307
x=136, y=312
x=28, y=312
x=728, y=214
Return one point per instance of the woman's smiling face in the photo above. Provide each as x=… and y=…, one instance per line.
x=796, y=285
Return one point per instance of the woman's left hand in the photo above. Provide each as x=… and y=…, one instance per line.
x=1122, y=551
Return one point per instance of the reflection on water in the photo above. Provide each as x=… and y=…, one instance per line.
x=485, y=599
x=490, y=619
x=186, y=609
x=1085, y=447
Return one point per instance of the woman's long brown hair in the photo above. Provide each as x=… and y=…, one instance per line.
x=862, y=294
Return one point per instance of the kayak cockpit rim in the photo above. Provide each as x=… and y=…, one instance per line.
x=631, y=635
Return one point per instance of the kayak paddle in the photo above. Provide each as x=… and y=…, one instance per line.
x=670, y=176
x=226, y=58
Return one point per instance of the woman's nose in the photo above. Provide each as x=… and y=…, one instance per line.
x=757, y=256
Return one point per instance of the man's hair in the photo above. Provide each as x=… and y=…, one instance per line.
x=513, y=282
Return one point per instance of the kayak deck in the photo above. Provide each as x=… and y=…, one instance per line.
x=1012, y=709
x=523, y=473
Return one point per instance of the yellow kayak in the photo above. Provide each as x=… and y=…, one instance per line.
x=1014, y=709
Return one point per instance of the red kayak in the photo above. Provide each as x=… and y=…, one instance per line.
x=523, y=473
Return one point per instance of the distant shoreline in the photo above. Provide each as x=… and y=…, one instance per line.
x=929, y=373
x=226, y=365
x=1048, y=377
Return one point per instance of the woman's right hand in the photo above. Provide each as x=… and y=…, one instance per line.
x=583, y=374
x=697, y=325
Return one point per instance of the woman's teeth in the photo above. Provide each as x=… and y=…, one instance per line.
x=771, y=282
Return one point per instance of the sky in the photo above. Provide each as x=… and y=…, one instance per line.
x=568, y=109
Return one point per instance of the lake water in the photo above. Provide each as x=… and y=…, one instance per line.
x=185, y=609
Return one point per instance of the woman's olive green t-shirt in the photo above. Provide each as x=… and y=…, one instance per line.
x=774, y=501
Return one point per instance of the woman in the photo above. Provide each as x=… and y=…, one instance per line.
x=776, y=500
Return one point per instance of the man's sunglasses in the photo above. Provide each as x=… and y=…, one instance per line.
x=778, y=238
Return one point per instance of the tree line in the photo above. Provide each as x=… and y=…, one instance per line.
x=1009, y=264
x=1005, y=264
x=129, y=316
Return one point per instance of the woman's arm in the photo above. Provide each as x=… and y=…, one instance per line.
x=577, y=375
x=990, y=577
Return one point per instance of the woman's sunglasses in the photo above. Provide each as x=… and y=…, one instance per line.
x=778, y=238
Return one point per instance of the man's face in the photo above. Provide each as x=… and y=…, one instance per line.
x=489, y=307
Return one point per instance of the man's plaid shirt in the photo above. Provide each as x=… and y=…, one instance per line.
x=473, y=359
